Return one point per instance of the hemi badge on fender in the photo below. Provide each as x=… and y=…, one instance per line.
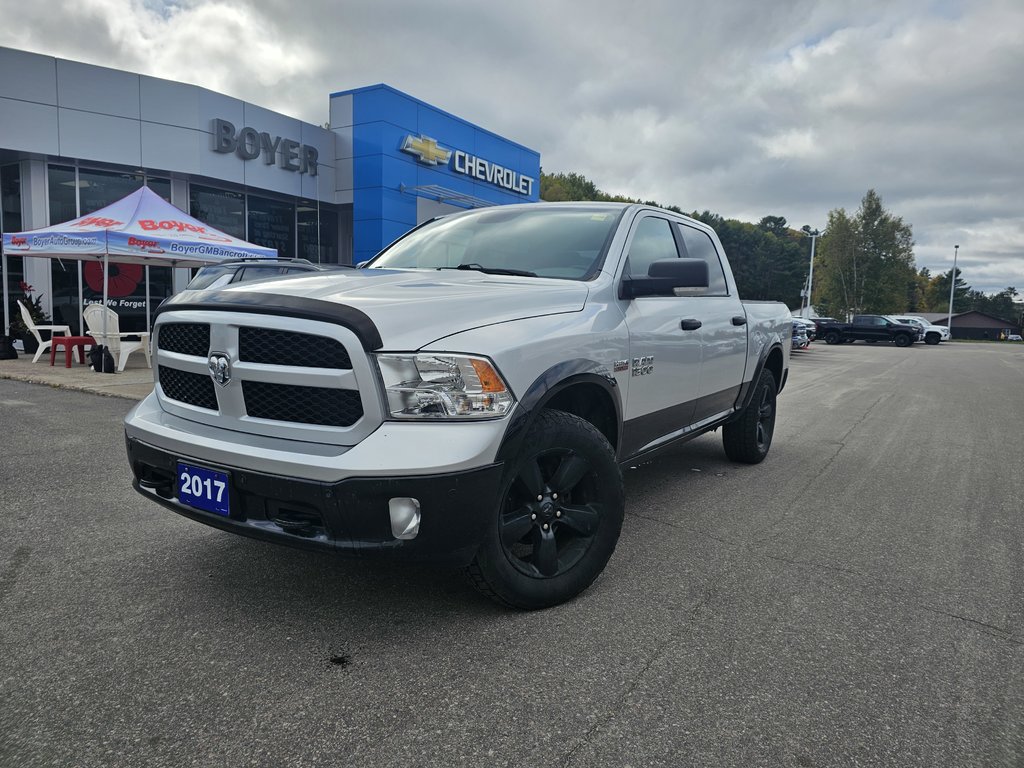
x=620, y=365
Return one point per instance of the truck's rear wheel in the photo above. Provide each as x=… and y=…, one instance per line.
x=748, y=439
x=559, y=518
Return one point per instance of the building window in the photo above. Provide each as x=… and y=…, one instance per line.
x=318, y=237
x=272, y=224
x=98, y=189
x=161, y=186
x=10, y=196
x=220, y=208
x=63, y=198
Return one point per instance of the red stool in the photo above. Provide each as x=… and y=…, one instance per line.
x=69, y=343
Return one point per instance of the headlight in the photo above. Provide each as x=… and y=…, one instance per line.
x=431, y=386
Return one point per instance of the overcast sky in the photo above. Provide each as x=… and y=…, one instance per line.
x=745, y=108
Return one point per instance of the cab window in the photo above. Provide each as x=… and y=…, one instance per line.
x=652, y=241
x=699, y=246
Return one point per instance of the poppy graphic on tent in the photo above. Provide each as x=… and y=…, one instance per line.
x=124, y=278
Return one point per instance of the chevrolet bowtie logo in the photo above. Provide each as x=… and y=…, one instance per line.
x=426, y=149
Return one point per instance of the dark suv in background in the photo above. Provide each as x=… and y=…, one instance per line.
x=247, y=270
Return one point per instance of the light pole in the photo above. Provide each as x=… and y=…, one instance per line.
x=952, y=285
x=814, y=235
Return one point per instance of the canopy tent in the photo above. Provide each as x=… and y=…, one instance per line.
x=141, y=228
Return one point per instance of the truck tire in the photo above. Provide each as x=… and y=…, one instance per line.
x=558, y=519
x=748, y=438
x=931, y=338
x=832, y=337
x=903, y=340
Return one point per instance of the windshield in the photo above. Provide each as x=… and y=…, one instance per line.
x=208, y=275
x=543, y=241
x=910, y=321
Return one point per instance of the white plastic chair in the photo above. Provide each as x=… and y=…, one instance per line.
x=34, y=329
x=113, y=339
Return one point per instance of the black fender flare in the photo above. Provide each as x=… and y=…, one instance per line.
x=746, y=393
x=552, y=381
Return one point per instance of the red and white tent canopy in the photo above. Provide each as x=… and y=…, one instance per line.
x=141, y=228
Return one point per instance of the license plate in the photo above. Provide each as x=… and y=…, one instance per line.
x=205, y=489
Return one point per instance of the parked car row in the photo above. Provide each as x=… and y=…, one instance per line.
x=804, y=332
x=902, y=330
x=870, y=328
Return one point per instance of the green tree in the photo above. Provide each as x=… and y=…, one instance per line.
x=559, y=187
x=999, y=304
x=866, y=262
x=937, y=294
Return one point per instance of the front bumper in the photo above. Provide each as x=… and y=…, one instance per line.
x=349, y=516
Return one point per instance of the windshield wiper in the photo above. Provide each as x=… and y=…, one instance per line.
x=493, y=270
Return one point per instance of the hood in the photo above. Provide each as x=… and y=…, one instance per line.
x=412, y=308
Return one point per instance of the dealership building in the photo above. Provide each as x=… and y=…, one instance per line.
x=76, y=137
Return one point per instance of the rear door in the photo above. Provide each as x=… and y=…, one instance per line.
x=723, y=329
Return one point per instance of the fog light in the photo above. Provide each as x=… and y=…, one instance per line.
x=405, y=517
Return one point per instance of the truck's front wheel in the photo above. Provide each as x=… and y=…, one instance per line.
x=749, y=437
x=559, y=518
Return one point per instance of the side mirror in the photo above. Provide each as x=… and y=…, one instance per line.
x=663, y=277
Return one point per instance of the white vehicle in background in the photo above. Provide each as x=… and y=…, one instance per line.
x=930, y=334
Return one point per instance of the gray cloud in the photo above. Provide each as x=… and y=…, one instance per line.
x=748, y=109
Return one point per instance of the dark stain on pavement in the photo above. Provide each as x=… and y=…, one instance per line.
x=10, y=574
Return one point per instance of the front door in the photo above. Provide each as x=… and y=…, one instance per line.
x=665, y=350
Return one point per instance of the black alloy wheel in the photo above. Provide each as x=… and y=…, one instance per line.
x=550, y=513
x=559, y=517
x=748, y=438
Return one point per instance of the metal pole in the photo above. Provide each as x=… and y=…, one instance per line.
x=7, y=306
x=810, y=274
x=805, y=311
x=952, y=285
x=106, y=280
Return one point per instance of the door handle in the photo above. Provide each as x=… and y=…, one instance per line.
x=739, y=320
x=690, y=324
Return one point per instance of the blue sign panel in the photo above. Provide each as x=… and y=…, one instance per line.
x=404, y=150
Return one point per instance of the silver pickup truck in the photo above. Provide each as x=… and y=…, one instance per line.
x=468, y=397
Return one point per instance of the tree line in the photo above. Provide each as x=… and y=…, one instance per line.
x=864, y=261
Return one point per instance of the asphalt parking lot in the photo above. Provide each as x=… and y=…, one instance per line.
x=857, y=599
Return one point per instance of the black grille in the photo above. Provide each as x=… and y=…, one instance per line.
x=185, y=387
x=304, y=405
x=185, y=338
x=274, y=347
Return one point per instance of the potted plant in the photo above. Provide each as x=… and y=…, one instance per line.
x=34, y=304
